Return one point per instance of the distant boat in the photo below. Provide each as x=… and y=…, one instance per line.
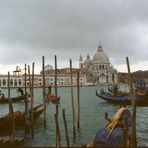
x=52, y=97
x=14, y=99
x=141, y=100
x=19, y=118
x=112, y=134
x=20, y=98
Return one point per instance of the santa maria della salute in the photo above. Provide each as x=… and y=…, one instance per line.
x=99, y=67
x=93, y=71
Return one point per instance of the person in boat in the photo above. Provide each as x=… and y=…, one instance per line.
x=115, y=91
x=21, y=91
x=49, y=89
x=3, y=96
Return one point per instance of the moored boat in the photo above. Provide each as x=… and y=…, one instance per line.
x=114, y=134
x=14, y=99
x=141, y=100
x=52, y=97
x=19, y=117
x=4, y=100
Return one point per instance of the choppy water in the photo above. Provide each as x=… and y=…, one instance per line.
x=91, y=118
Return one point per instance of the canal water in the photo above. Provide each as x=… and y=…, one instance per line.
x=91, y=117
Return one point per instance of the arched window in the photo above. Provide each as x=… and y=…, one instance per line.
x=97, y=69
x=20, y=82
x=4, y=82
x=62, y=83
x=15, y=82
x=11, y=81
x=100, y=67
x=103, y=67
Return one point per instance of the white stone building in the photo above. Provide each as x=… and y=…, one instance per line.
x=99, y=67
x=63, y=78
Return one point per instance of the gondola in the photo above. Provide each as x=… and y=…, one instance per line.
x=114, y=134
x=4, y=100
x=19, y=117
x=14, y=99
x=141, y=100
x=52, y=97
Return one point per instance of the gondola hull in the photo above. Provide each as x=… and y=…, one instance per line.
x=53, y=98
x=123, y=100
x=112, y=134
x=14, y=99
x=19, y=118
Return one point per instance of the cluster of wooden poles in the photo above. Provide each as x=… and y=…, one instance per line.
x=29, y=114
x=58, y=138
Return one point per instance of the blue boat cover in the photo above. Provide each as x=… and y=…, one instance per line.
x=114, y=140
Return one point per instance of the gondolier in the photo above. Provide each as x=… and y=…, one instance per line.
x=49, y=89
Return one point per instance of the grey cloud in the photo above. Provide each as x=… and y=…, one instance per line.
x=70, y=28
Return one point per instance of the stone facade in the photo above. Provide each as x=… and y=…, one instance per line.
x=63, y=79
x=99, y=67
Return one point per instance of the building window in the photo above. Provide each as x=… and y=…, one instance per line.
x=20, y=82
x=4, y=82
x=15, y=82
x=11, y=81
x=103, y=67
x=100, y=67
x=62, y=83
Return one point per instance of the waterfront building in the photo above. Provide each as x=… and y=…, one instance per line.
x=95, y=70
x=99, y=67
x=63, y=78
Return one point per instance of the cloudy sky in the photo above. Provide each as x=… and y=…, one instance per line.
x=30, y=29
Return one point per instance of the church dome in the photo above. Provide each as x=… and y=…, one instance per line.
x=100, y=56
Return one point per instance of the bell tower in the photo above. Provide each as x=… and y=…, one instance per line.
x=80, y=62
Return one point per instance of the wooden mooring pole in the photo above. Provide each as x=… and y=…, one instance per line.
x=31, y=93
x=25, y=78
x=58, y=136
x=44, y=93
x=72, y=100
x=133, y=104
x=11, y=114
x=26, y=104
x=66, y=129
x=78, y=97
x=32, y=99
x=58, y=144
x=55, y=82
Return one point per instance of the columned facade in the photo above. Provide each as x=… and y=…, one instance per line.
x=100, y=68
x=63, y=79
